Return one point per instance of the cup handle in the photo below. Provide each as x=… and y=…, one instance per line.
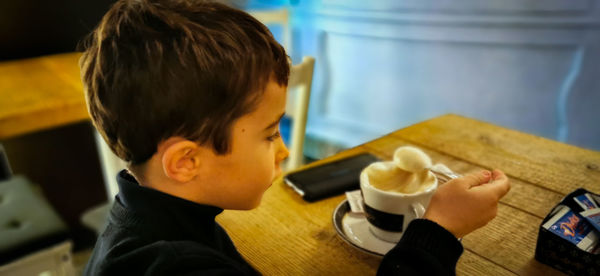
x=418, y=210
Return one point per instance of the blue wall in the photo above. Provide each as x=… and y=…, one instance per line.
x=528, y=65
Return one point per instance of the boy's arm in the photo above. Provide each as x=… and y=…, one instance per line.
x=430, y=246
x=425, y=249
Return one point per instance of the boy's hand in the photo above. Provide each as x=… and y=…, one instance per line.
x=465, y=204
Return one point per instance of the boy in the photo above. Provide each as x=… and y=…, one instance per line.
x=190, y=94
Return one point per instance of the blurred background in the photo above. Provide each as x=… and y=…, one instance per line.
x=532, y=66
x=528, y=65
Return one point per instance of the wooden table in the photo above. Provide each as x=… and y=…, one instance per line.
x=40, y=93
x=286, y=235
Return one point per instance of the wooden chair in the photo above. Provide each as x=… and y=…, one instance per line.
x=279, y=17
x=299, y=88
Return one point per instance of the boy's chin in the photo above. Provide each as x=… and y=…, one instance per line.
x=245, y=206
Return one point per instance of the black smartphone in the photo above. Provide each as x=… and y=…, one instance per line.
x=331, y=178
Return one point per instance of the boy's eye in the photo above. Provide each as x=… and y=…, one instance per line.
x=274, y=136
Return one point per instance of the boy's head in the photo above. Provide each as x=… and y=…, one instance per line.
x=169, y=82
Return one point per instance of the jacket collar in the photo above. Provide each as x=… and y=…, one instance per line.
x=168, y=216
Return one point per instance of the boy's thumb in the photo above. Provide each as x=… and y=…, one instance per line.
x=501, y=183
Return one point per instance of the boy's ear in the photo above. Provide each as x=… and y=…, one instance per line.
x=181, y=160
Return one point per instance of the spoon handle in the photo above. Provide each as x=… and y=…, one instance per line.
x=444, y=174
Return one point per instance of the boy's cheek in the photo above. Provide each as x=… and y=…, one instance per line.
x=277, y=173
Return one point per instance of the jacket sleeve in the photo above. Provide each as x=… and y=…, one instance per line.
x=426, y=248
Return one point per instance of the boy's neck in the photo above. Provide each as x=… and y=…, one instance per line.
x=151, y=175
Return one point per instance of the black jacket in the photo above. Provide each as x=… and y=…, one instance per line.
x=153, y=233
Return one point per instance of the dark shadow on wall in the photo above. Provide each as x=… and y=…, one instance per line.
x=31, y=28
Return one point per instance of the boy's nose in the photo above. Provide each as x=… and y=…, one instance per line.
x=282, y=152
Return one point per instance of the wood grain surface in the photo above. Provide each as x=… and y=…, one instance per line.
x=40, y=93
x=286, y=235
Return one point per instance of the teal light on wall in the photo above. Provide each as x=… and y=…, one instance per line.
x=384, y=65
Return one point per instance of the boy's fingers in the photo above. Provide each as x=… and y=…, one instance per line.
x=504, y=182
x=499, y=187
x=498, y=174
x=478, y=178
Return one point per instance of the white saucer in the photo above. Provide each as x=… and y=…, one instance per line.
x=353, y=228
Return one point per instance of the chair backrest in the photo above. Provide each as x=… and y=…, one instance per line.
x=278, y=17
x=299, y=87
x=5, y=170
x=111, y=165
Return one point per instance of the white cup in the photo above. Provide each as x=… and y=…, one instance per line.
x=390, y=212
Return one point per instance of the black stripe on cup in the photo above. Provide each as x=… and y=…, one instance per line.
x=383, y=220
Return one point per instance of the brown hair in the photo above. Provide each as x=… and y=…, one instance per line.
x=157, y=69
